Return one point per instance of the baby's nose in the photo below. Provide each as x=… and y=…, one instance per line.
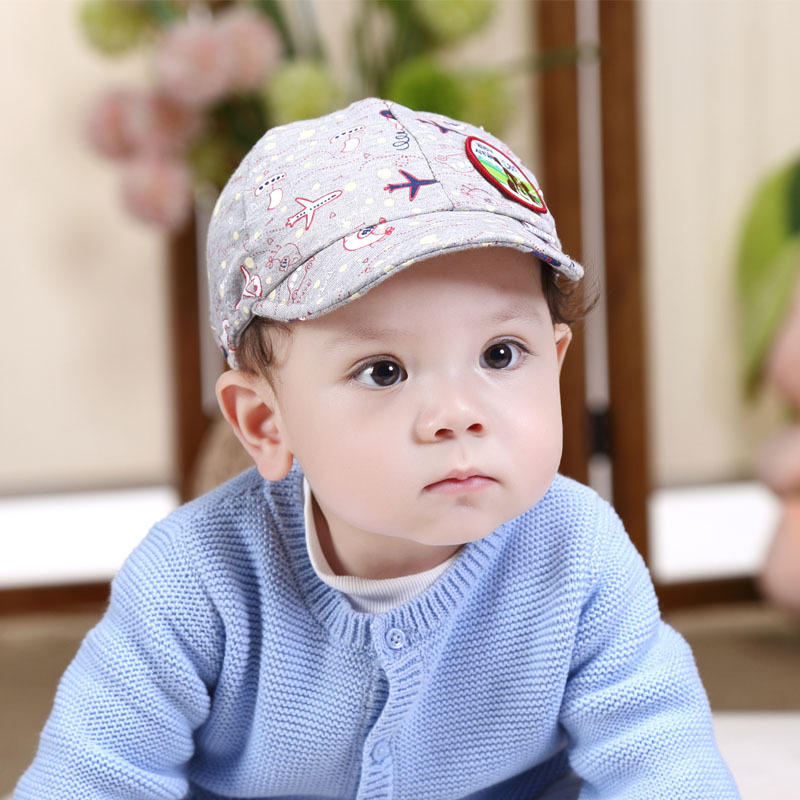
x=450, y=433
x=449, y=414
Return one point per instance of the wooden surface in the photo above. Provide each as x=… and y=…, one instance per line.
x=623, y=266
x=689, y=594
x=71, y=598
x=190, y=421
x=559, y=175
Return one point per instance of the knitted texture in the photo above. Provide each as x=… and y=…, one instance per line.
x=224, y=668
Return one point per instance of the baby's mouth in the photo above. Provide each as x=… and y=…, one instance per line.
x=461, y=482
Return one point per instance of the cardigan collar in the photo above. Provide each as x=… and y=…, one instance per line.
x=417, y=618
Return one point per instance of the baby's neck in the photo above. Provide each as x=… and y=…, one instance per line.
x=374, y=556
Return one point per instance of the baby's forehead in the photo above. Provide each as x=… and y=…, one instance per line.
x=462, y=288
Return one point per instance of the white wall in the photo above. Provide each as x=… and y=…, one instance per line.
x=719, y=109
x=84, y=398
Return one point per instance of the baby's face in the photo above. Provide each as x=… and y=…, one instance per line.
x=429, y=409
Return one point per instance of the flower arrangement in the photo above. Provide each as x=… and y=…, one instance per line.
x=223, y=72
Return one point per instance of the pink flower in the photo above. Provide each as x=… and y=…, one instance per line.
x=252, y=43
x=192, y=64
x=158, y=190
x=125, y=122
x=159, y=125
x=109, y=123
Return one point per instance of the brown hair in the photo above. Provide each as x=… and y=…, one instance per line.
x=256, y=351
x=569, y=302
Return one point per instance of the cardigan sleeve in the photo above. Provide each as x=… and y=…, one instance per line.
x=126, y=709
x=634, y=710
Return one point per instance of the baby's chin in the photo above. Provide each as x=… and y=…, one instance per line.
x=464, y=533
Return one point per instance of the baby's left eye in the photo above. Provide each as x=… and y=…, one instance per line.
x=382, y=373
x=501, y=355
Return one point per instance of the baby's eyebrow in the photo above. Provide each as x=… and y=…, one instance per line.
x=365, y=333
x=512, y=313
x=361, y=333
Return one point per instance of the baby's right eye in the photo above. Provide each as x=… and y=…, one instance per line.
x=381, y=373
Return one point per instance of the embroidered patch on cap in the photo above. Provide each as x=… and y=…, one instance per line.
x=503, y=173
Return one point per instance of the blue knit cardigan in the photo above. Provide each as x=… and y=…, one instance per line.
x=224, y=668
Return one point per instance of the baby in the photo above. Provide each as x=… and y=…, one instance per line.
x=404, y=599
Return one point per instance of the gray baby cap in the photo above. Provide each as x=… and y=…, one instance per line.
x=321, y=210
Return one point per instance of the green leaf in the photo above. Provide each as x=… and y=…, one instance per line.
x=768, y=265
x=163, y=12
x=488, y=100
x=112, y=26
x=301, y=89
x=424, y=85
x=766, y=229
x=272, y=10
x=450, y=21
x=794, y=200
x=764, y=306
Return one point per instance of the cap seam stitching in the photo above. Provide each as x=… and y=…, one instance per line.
x=427, y=161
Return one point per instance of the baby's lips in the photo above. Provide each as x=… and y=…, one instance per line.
x=470, y=478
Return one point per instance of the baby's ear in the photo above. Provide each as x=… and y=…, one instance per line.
x=563, y=338
x=249, y=404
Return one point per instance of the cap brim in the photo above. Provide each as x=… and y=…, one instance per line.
x=325, y=281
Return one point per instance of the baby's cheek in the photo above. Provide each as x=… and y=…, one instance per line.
x=540, y=456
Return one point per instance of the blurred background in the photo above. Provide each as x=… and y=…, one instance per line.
x=666, y=137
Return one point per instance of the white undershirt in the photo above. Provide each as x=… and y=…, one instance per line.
x=371, y=595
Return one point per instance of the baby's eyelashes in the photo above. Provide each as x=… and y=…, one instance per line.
x=380, y=373
x=383, y=372
x=503, y=355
